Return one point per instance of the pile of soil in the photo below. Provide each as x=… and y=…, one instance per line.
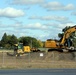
x=48, y=56
x=54, y=55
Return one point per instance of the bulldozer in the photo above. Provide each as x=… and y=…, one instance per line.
x=64, y=45
x=20, y=49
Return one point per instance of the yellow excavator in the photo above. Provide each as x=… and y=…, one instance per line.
x=65, y=45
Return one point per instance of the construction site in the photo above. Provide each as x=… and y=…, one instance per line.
x=55, y=54
x=38, y=60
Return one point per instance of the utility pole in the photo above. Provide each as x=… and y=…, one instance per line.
x=31, y=43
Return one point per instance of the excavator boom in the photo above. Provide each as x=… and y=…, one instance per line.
x=67, y=34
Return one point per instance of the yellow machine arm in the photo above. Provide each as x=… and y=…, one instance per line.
x=67, y=34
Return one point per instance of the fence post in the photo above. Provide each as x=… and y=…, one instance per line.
x=2, y=58
x=53, y=56
x=29, y=61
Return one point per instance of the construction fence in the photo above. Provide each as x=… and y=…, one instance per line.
x=38, y=60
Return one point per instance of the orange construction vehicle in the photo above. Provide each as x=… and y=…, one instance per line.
x=64, y=45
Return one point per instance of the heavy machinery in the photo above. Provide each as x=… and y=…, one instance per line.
x=20, y=49
x=64, y=45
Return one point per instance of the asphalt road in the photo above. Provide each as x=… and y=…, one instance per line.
x=38, y=72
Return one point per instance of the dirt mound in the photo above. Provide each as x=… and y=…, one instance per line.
x=49, y=56
x=54, y=55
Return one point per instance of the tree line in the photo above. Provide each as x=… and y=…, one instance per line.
x=8, y=41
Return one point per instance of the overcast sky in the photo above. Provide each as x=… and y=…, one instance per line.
x=42, y=19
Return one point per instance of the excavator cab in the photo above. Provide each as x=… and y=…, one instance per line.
x=20, y=45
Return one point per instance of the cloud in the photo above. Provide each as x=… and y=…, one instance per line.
x=23, y=2
x=35, y=26
x=53, y=6
x=59, y=25
x=54, y=29
x=61, y=19
x=34, y=29
x=11, y=12
x=66, y=24
x=73, y=13
x=37, y=30
x=50, y=6
x=32, y=26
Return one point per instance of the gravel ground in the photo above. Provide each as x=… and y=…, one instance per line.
x=39, y=60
